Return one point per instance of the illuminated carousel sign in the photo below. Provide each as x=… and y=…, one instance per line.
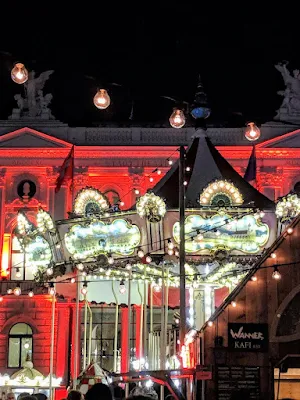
x=119, y=237
x=246, y=234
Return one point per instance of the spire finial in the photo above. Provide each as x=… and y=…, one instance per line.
x=200, y=108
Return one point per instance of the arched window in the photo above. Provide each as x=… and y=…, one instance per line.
x=18, y=260
x=19, y=344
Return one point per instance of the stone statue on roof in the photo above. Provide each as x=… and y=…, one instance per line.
x=289, y=110
x=34, y=104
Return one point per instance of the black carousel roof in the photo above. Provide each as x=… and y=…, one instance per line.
x=207, y=165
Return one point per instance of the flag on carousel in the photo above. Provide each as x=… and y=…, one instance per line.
x=250, y=174
x=66, y=171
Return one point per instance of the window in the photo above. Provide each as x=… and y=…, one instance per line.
x=19, y=345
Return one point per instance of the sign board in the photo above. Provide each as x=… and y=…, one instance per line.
x=248, y=337
x=231, y=378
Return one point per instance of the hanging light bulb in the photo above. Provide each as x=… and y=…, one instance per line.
x=17, y=291
x=102, y=99
x=51, y=289
x=84, y=289
x=30, y=293
x=148, y=258
x=122, y=287
x=252, y=132
x=140, y=253
x=19, y=73
x=80, y=267
x=177, y=118
x=273, y=255
x=110, y=259
x=289, y=230
x=18, y=273
x=49, y=271
x=276, y=274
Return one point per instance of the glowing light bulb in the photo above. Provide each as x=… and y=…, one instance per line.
x=151, y=179
x=26, y=346
x=51, y=289
x=110, y=260
x=273, y=255
x=148, y=258
x=58, y=246
x=218, y=233
x=122, y=288
x=49, y=271
x=128, y=267
x=136, y=191
x=122, y=204
x=19, y=74
x=158, y=172
x=210, y=323
x=170, y=245
x=233, y=303
x=289, y=230
x=1, y=299
x=17, y=291
x=276, y=275
x=156, y=288
x=188, y=169
x=253, y=278
x=18, y=273
x=252, y=132
x=30, y=293
x=140, y=253
x=9, y=291
x=80, y=267
x=73, y=280
x=170, y=252
x=170, y=162
x=185, y=183
x=84, y=289
x=102, y=99
x=177, y=118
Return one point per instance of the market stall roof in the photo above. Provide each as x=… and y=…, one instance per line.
x=206, y=165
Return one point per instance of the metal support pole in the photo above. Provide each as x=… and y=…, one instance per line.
x=52, y=347
x=76, y=340
x=182, y=245
x=116, y=327
x=145, y=328
x=85, y=333
x=90, y=334
x=162, y=324
x=129, y=318
x=141, y=327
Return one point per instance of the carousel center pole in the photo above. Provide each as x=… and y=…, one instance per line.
x=182, y=331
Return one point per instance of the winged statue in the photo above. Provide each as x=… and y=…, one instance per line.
x=33, y=87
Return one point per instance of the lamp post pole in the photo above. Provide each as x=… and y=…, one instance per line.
x=182, y=245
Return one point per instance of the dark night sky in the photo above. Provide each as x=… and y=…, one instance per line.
x=159, y=51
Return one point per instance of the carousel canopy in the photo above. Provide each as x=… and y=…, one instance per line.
x=206, y=165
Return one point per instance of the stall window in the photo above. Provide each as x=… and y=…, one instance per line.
x=19, y=345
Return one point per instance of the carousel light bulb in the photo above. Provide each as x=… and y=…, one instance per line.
x=9, y=291
x=188, y=169
x=170, y=162
x=148, y=259
x=122, y=204
x=19, y=73
x=136, y=191
x=122, y=288
x=210, y=323
x=252, y=132
x=57, y=246
x=128, y=267
x=84, y=289
x=261, y=214
x=233, y=303
x=158, y=172
x=18, y=273
x=110, y=260
x=276, y=274
x=51, y=289
x=273, y=255
x=140, y=253
x=1, y=299
x=73, y=280
x=185, y=183
x=170, y=244
x=102, y=99
x=151, y=179
x=49, y=271
x=253, y=278
x=218, y=233
x=170, y=252
x=177, y=118
x=156, y=287
x=80, y=267
x=17, y=291
x=176, y=253
x=30, y=293
x=289, y=230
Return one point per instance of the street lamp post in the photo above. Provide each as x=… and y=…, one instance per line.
x=182, y=245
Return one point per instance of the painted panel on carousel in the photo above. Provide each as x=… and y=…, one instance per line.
x=119, y=237
x=247, y=234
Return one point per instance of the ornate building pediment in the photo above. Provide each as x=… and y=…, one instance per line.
x=30, y=138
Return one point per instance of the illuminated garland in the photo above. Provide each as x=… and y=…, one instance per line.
x=23, y=224
x=44, y=221
x=151, y=207
x=90, y=201
x=221, y=192
x=288, y=207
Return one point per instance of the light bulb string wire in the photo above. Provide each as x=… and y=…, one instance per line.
x=188, y=238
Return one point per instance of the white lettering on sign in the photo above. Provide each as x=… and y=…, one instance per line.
x=243, y=335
